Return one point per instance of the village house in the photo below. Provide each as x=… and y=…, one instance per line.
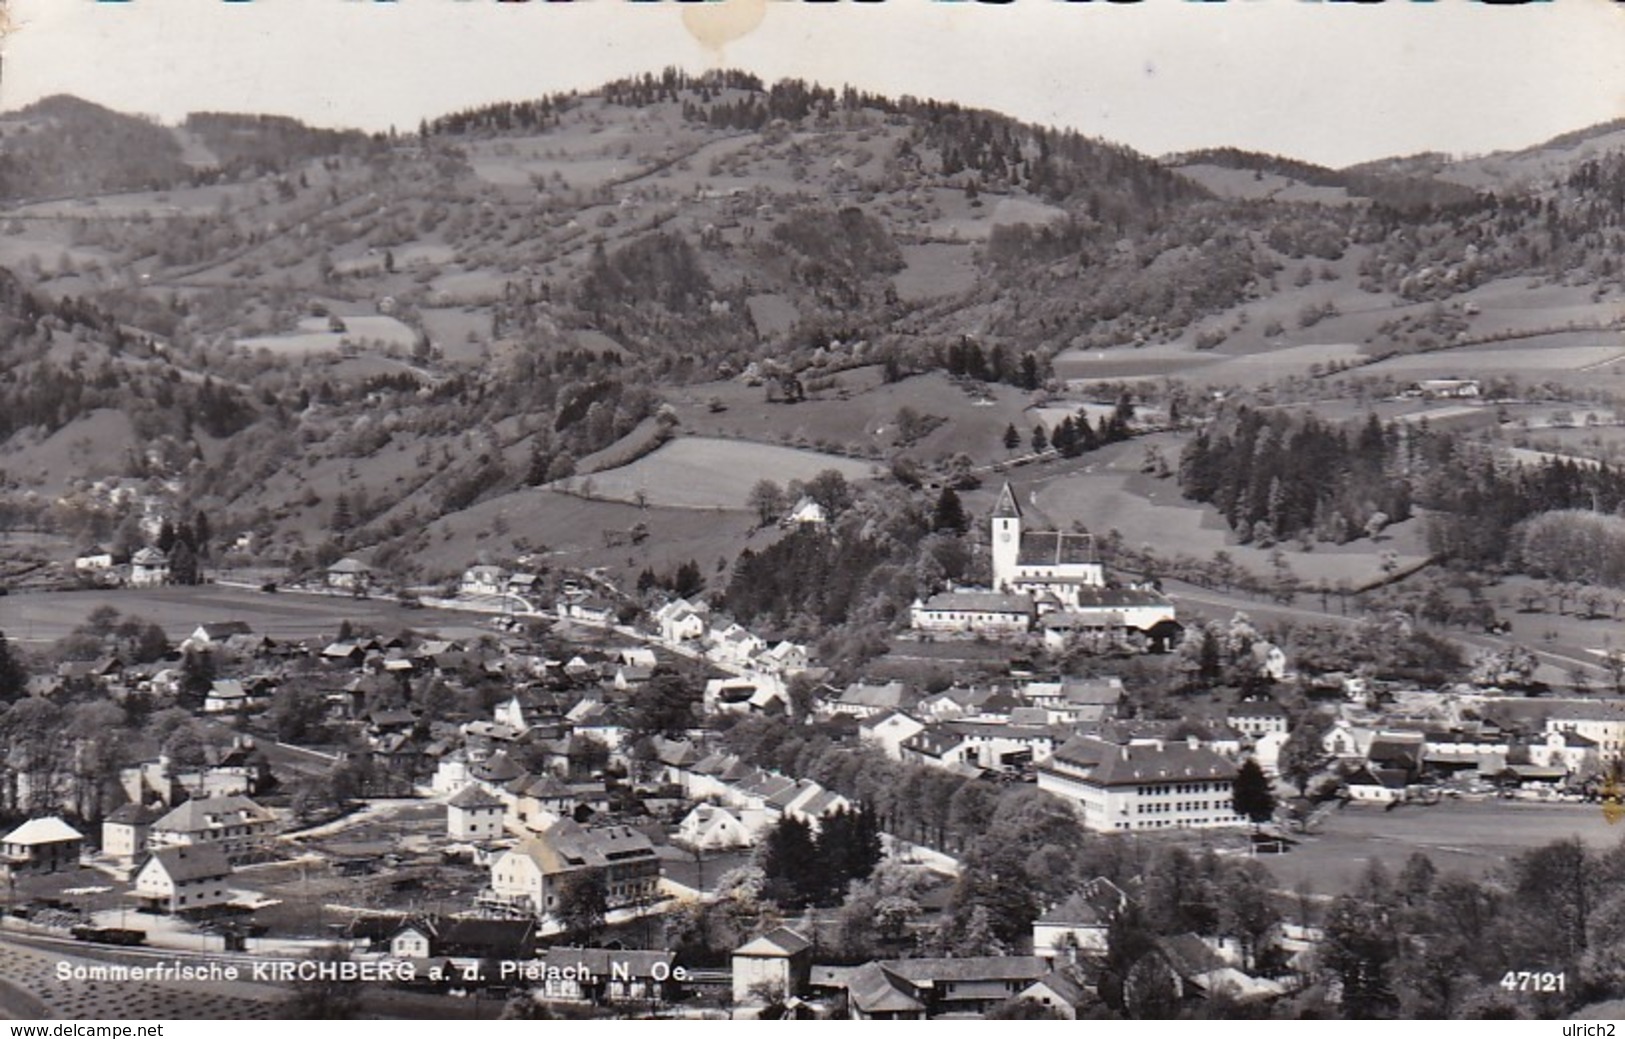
x=43, y=845
x=777, y=965
x=591, y=609
x=889, y=731
x=939, y=747
x=805, y=511
x=981, y=612
x=464, y=938
x=483, y=580
x=184, y=877
x=93, y=560
x=1077, y=927
x=922, y=988
x=602, y=976
x=712, y=828
x=1257, y=717
x=149, y=568
x=124, y=832
x=529, y=875
x=681, y=621
x=1149, y=786
x=735, y=646
x=472, y=814
x=349, y=575
x=863, y=700
x=238, y=826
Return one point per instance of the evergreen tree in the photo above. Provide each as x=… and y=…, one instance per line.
x=1040, y=439
x=950, y=514
x=13, y=676
x=342, y=520
x=1252, y=795
x=1012, y=437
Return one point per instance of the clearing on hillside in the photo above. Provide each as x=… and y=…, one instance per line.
x=705, y=473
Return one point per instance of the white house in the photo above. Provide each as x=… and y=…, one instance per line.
x=484, y=580
x=1076, y=928
x=349, y=575
x=712, y=828
x=889, y=731
x=93, y=561
x=148, y=568
x=124, y=833
x=778, y=963
x=181, y=878
x=473, y=814
x=42, y=845
x=681, y=621
x=806, y=510
x=734, y=645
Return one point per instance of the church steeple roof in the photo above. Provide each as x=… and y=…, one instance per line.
x=1006, y=507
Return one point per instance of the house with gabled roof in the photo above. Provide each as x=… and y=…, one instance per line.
x=185, y=877
x=682, y=621
x=529, y=874
x=712, y=828
x=1077, y=927
x=238, y=826
x=149, y=568
x=889, y=731
x=865, y=700
x=776, y=965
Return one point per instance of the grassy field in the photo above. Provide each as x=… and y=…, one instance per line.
x=314, y=337
x=706, y=473
x=860, y=413
x=1465, y=837
x=42, y=618
x=935, y=269
x=1108, y=492
x=572, y=529
x=94, y=443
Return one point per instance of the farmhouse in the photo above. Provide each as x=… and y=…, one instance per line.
x=349, y=575
x=973, y=611
x=1142, y=786
x=484, y=580
x=889, y=730
x=148, y=568
x=93, y=560
x=681, y=621
x=182, y=878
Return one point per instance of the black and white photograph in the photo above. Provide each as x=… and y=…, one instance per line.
x=769, y=510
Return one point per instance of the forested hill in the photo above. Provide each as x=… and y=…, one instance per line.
x=267, y=318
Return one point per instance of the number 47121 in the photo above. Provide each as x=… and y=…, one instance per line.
x=1535, y=981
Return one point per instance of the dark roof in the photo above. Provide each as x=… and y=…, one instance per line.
x=781, y=941
x=980, y=602
x=1006, y=507
x=133, y=814
x=933, y=970
x=1054, y=548
x=216, y=630
x=185, y=862
x=1112, y=765
x=473, y=796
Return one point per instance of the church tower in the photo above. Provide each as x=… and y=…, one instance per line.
x=1006, y=538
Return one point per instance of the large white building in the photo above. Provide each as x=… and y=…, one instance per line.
x=1151, y=785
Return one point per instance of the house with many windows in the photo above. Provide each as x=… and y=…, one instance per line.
x=1152, y=785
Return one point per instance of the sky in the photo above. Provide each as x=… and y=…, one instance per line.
x=1328, y=82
